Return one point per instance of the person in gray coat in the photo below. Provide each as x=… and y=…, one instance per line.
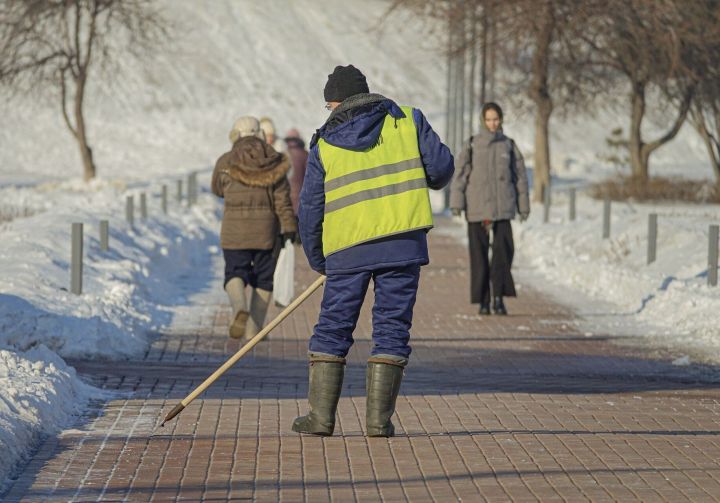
x=491, y=186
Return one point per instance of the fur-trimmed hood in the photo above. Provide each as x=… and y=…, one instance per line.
x=254, y=163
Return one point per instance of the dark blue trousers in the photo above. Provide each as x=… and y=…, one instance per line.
x=395, y=293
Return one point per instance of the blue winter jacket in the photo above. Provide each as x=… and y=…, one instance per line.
x=360, y=133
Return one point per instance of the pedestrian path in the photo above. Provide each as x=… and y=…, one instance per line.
x=516, y=408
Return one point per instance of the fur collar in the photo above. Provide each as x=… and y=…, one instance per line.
x=255, y=163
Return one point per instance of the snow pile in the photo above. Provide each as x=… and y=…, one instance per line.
x=39, y=393
x=669, y=298
x=128, y=293
x=123, y=289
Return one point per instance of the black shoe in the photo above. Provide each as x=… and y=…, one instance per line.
x=484, y=309
x=499, y=306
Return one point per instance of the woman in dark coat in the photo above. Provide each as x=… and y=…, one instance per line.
x=252, y=180
x=491, y=186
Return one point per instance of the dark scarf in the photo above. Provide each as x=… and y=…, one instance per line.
x=351, y=107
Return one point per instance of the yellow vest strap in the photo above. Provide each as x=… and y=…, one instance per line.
x=366, y=195
x=367, y=174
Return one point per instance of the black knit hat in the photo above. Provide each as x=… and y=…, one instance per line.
x=343, y=82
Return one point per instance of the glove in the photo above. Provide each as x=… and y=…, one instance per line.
x=456, y=212
x=292, y=236
x=523, y=216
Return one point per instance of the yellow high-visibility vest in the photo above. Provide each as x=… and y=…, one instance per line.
x=377, y=192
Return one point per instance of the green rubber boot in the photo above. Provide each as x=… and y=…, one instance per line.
x=382, y=384
x=326, y=377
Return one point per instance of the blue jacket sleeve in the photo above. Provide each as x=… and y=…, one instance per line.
x=312, y=210
x=436, y=157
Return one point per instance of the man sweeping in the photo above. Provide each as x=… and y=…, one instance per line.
x=364, y=214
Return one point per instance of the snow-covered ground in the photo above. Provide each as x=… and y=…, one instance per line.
x=670, y=298
x=608, y=281
x=156, y=122
x=128, y=293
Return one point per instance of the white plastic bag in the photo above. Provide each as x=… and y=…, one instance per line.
x=284, y=277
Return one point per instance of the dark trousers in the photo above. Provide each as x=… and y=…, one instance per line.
x=255, y=267
x=495, y=272
x=395, y=293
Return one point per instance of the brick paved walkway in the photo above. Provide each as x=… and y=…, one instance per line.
x=521, y=408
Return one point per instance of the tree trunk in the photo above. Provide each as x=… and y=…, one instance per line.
x=89, y=170
x=460, y=93
x=712, y=146
x=540, y=94
x=541, y=173
x=483, y=55
x=471, y=73
x=638, y=162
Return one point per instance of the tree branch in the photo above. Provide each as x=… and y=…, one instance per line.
x=679, y=120
x=63, y=102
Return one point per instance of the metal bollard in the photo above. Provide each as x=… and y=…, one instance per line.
x=572, y=203
x=163, y=199
x=143, y=206
x=104, y=235
x=179, y=191
x=546, y=204
x=606, y=218
x=652, y=238
x=713, y=255
x=190, y=190
x=76, y=253
x=130, y=210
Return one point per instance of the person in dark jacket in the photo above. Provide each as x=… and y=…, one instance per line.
x=491, y=186
x=298, y=155
x=364, y=215
x=252, y=180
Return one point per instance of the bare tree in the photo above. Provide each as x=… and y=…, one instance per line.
x=542, y=45
x=705, y=109
x=58, y=45
x=649, y=44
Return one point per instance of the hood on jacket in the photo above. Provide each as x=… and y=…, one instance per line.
x=357, y=122
x=255, y=163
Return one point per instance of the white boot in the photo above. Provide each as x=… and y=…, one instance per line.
x=235, y=289
x=258, y=309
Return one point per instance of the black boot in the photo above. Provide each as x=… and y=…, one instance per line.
x=382, y=385
x=484, y=309
x=499, y=306
x=326, y=377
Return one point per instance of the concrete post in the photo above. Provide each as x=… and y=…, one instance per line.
x=104, y=235
x=129, y=210
x=572, y=203
x=606, y=218
x=143, y=206
x=190, y=189
x=652, y=238
x=164, y=198
x=76, y=256
x=546, y=205
x=179, y=191
x=713, y=256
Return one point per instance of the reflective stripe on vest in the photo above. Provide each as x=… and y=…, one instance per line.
x=377, y=192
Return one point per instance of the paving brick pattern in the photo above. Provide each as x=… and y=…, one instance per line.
x=517, y=408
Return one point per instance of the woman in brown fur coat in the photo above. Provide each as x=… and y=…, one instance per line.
x=252, y=180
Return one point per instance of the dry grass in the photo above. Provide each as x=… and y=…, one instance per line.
x=10, y=213
x=657, y=190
